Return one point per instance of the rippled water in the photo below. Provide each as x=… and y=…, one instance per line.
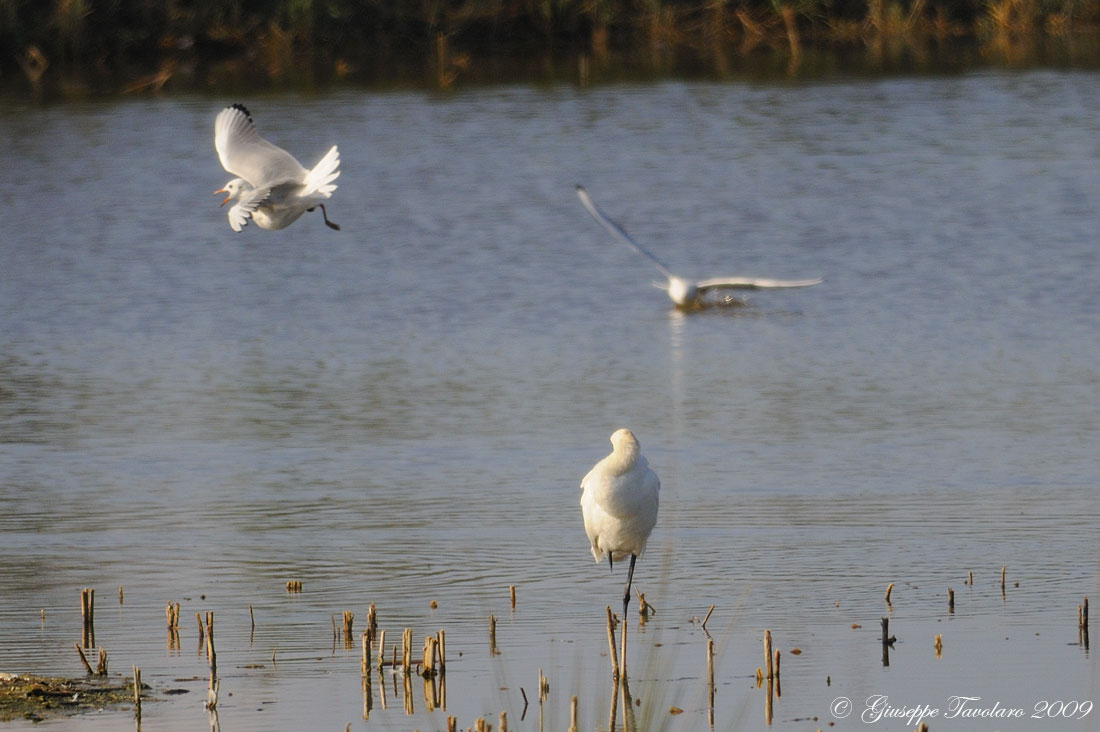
x=400, y=412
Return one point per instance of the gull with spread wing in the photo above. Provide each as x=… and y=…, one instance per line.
x=685, y=293
x=273, y=188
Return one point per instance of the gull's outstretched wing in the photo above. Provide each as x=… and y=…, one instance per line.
x=242, y=210
x=244, y=153
x=617, y=230
x=752, y=283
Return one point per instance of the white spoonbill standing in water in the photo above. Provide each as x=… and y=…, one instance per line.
x=273, y=188
x=686, y=294
x=619, y=504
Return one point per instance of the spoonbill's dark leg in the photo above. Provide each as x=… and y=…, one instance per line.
x=629, y=577
x=610, y=562
x=328, y=223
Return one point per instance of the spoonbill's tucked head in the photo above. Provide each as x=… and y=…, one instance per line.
x=233, y=189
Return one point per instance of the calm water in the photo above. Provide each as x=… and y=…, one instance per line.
x=401, y=412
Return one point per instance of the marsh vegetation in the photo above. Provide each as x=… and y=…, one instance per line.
x=76, y=43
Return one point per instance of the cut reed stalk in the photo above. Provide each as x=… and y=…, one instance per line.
x=889, y=589
x=502, y=722
x=950, y=600
x=137, y=686
x=101, y=664
x=83, y=659
x=611, y=643
x=512, y=596
x=767, y=654
x=211, y=654
x=493, y=636
x=442, y=637
x=1002, y=579
x=381, y=649
x=87, y=617
x=573, y=714
x=710, y=681
x=937, y=643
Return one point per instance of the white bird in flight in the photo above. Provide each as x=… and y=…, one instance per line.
x=619, y=503
x=685, y=293
x=273, y=188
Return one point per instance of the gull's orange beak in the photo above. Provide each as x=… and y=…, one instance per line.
x=227, y=196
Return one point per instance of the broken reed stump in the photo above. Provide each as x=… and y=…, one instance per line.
x=644, y=608
x=970, y=578
x=294, y=586
x=101, y=664
x=889, y=589
x=452, y=724
x=887, y=639
x=349, y=617
x=937, y=643
x=512, y=596
x=950, y=600
x=364, y=662
x=611, y=644
x=441, y=638
x=573, y=713
x=372, y=622
x=705, y=619
x=172, y=615
x=1083, y=623
x=767, y=654
x=137, y=686
x=83, y=659
x=502, y=722
x=87, y=617
x=406, y=649
x=381, y=649
x=493, y=636
x=120, y=594
x=430, y=655
x=1002, y=579
x=544, y=687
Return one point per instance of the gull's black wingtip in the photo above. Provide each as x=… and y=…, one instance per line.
x=240, y=107
x=580, y=188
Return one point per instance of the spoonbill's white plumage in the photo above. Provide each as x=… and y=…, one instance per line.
x=619, y=497
x=273, y=189
x=686, y=293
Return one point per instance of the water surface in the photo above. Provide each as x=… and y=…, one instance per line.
x=401, y=412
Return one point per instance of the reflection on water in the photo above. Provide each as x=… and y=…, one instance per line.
x=401, y=413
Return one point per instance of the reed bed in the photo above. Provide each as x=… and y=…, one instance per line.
x=159, y=45
x=430, y=665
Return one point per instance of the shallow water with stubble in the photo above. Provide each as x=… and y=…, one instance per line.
x=400, y=412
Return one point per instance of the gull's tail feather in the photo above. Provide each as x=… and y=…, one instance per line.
x=319, y=180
